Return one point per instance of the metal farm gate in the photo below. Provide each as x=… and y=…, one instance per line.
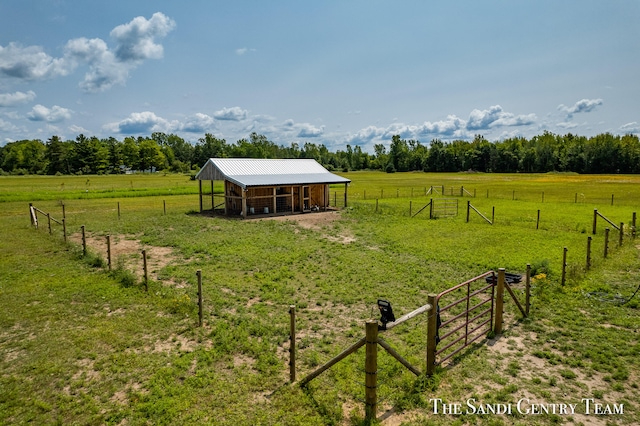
x=444, y=207
x=464, y=315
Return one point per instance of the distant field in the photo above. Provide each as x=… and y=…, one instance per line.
x=79, y=344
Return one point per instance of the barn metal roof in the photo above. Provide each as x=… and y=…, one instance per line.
x=267, y=172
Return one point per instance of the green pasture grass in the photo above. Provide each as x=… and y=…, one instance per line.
x=35, y=187
x=83, y=345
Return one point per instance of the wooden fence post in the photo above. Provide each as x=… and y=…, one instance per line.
x=432, y=324
x=109, y=251
x=538, y=220
x=410, y=205
x=49, y=220
x=499, y=301
x=118, y=210
x=376, y=205
x=84, y=242
x=431, y=208
x=588, y=253
x=611, y=199
x=595, y=220
x=64, y=214
x=292, y=343
x=493, y=215
x=144, y=267
x=64, y=229
x=164, y=205
x=31, y=213
x=468, y=209
x=606, y=242
x=199, y=275
x=564, y=265
x=621, y=234
x=527, y=293
x=633, y=225
x=371, y=370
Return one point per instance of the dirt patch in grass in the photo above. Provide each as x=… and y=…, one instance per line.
x=128, y=249
x=320, y=222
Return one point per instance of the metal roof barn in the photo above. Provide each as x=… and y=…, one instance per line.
x=267, y=186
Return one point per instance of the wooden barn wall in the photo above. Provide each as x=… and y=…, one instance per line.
x=259, y=198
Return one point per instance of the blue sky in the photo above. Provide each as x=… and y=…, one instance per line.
x=326, y=72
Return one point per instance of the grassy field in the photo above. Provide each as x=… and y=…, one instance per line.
x=83, y=345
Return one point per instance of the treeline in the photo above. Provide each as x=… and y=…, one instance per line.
x=604, y=153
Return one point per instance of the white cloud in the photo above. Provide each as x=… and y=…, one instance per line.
x=309, y=131
x=54, y=114
x=75, y=129
x=452, y=127
x=104, y=69
x=11, y=99
x=567, y=125
x=495, y=116
x=142, y=123
x=31, y=63
x=7, y=127
x=632, y=127
x=199, y=123
x=243, y=50
x=583, y=105
x=231, y=114
x=136, y=39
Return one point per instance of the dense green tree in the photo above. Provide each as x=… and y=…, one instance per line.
x=150, y=155
x=25, y=156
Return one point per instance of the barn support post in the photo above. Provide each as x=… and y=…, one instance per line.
x=499, y=301
x=274, y=202
x=200, y=191
x=371, y=370
x=244, y=202
x=345, y=195
x=213, y=204
x=323, y=199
